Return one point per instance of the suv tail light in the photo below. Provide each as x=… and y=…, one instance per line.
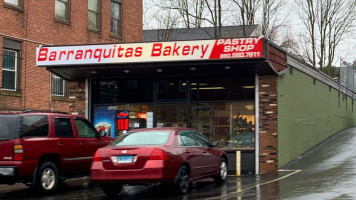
x=158, y=154
x=18, y=152
x=97, y=157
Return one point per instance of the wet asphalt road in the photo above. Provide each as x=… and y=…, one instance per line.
x=326, y=172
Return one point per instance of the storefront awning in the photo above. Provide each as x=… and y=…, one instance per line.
x=145, y=70
x=179, y=58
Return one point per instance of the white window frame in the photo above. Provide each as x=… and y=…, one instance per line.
x=10, y=3
x=62, y=93
x=97, y=12
x=119, y=34
x=67, y=15
x=10, y=70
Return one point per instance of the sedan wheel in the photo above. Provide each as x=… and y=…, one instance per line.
x=182, y=182
x=222, y=172
x=111, y=189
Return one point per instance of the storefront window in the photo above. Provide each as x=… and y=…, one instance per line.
x=116, y=120
x=230, y=124
x=220, y=89
x=221, y=108
x=171, y=89
x=122, y=91
x=172, y=115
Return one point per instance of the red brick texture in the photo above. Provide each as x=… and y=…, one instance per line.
x=34, y=25
x=277, y=57
x=268, y=113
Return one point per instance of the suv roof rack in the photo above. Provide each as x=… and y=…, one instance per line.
x=44, y=111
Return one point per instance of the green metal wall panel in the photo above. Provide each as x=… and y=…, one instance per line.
x=308, y=113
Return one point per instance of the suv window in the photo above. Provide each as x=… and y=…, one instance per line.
x=186, y=139
x=8, y=126
x=84, y=128
x=34, y=126
x=63, y=127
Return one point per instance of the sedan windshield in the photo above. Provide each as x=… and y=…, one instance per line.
x=143, y=138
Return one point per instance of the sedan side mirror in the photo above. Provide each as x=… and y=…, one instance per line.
x=214, y=144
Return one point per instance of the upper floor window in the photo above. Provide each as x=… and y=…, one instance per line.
x=116, y=17
x=94, y=14
x=62, y=10
x=10, y=70
x=59, y=86
x=15, y=3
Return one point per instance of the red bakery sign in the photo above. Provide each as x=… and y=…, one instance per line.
x=237, y=48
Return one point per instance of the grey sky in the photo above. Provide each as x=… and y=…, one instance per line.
x=289, y=15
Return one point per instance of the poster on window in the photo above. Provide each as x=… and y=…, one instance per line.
x=104, y=120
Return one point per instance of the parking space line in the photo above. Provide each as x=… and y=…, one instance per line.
x=257, y=185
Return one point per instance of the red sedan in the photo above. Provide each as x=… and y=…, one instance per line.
x=158, y=155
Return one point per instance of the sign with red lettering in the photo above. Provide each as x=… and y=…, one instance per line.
x=123, y=115
x=142, y=115
x=237, y=48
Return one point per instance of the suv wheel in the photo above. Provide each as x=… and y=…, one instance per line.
x=47, y=177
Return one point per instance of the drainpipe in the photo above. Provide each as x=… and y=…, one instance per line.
x=87, y=99
x=50, y=91
x=257, y=122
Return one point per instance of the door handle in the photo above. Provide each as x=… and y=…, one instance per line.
x=82, y=143
x=186, y=151
x=60, y=144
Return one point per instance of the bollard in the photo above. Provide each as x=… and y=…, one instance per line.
x=238, y=163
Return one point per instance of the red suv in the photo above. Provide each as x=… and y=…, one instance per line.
x=43, y=148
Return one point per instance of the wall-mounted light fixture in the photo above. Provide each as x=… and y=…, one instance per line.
x=248, y=87
x=227, y=67
x=193, y=68
x=159, y=70
x=250, y=107
x=93, y=72
x=126, y=71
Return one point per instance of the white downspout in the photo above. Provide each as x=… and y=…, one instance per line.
x=87, y=98
x=50, y=91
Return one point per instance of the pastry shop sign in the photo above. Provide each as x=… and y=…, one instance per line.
x=237, y=48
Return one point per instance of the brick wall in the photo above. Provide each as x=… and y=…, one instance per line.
x=268, y=109
x=77, y=97
x=277, y=57
x=268, y=114
x=36, y=22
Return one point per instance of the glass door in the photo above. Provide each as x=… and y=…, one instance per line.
x=231, y=124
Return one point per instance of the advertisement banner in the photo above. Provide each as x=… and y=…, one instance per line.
x=237, y=48
x=104, y=119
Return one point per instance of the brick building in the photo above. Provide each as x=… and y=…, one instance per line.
x=24, y=25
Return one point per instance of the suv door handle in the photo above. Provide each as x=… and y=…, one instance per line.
x=186, y=151
x=60, y=144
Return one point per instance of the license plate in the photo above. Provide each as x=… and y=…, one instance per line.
x=125, y=159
